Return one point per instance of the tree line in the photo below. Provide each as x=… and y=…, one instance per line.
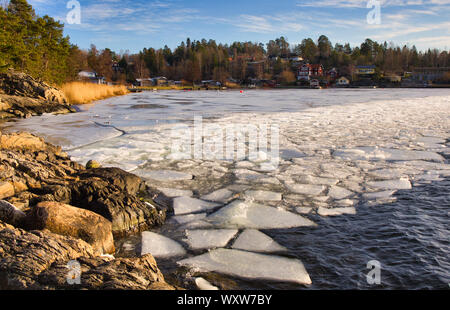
x=37, y=45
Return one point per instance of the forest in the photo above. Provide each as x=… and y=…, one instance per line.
x=37, y=45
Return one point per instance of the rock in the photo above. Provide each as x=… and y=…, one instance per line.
x=78, y=223
x=25, y=255
x=126, y=181
x=6, y=190
x=24, y=141
x=39, y=260
x=92, y=164
x=22, y=96
x=10, y=214
x=106, y=274
x=127, y=213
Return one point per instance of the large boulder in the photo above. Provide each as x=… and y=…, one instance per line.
x=128, y=213
x=126, y=181
x=75, y=222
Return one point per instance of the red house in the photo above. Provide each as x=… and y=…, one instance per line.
x=306, y=71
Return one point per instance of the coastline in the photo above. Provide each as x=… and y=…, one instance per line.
x=62, y=212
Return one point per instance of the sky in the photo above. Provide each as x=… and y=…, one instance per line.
x=131, y=25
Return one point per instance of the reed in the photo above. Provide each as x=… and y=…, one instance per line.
x=82, y=93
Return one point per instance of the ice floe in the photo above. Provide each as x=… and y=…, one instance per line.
x=402, y=183
x=173, y=192
x=184, y=219
x=256, y=241
x=186, y=205
x=378, y=195
x=263, y=195
x=222, y=195
x=204, y=285
x=242, y=214
x=305, y=189
x=339, y=193
x=160, y=246
x=208, y=239
x=335, y=211
x=375, y=153
x=164, y=175
x=250, y=265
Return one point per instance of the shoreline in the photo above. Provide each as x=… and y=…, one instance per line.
x=56, y=209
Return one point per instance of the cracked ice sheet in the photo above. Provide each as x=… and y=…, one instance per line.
x=240, y=214
x=250, y=265
x=208, y=239
x=256, y=241
x=374, y=153
x=160, y=246
x=186, y=205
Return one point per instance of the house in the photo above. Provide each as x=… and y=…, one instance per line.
x=160, y=81
x=306, y=71
x=424, y=74
x=144, y=82
x=365, y=70
x=342, y=81
x=91, y=77
x=332, y=74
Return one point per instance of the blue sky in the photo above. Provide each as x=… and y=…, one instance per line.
x=130, y=25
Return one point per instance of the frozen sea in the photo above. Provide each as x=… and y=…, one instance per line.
x=362, y=176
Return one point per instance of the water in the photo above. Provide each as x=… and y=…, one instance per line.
x=343, y=144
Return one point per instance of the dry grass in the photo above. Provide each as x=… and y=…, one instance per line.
x=82, y=93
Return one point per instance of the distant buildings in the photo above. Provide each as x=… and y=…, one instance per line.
x=91, y=77
x=308, y=71
x=342, y=81
x=365, y=70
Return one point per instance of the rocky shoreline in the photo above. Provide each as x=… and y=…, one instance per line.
x=54, y=212
x=22, y=96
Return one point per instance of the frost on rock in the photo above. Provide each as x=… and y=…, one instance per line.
x=160, y=246
x=305, y=189
x=335, y=211
x=164, y=175
x=263, y=195
x=339, y=193
x=186, y=205
x=403, y=183
x=250, y=265
x=240, y=214
x=256, y=241
x=208, y=239
x=221, y=195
